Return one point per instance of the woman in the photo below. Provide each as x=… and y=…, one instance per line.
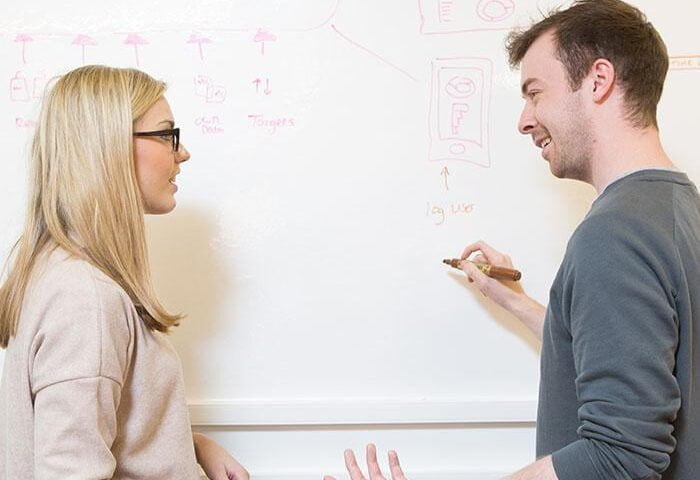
x=91, y=386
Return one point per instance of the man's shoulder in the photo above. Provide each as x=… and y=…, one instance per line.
x=625, y=227
x=638, y=207
x=647, y=194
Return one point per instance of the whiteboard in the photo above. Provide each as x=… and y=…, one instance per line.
x=332, y=170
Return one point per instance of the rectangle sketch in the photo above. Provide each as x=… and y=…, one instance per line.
x=459, y=110
x=452, y=16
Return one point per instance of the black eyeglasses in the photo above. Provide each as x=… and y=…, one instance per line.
x=172, y=133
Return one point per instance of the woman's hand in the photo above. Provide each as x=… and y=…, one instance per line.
x=216, y=462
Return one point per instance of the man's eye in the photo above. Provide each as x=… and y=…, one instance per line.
x=166, y=137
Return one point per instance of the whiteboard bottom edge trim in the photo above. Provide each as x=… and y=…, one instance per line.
x=360, y=411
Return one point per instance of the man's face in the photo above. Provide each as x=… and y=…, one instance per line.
x=554, y=115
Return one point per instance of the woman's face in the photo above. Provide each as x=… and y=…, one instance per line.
x=156, y=162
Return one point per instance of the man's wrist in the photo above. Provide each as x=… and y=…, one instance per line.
x=522, y=306
x=529, y=312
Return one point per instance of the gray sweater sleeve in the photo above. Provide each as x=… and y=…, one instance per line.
x=624, y=336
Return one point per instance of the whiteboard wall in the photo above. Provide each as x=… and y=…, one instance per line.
x=340, y=150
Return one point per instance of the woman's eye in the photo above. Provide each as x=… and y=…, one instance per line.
x=166, y=137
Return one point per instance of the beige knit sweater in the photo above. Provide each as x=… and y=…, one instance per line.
x=88, y=392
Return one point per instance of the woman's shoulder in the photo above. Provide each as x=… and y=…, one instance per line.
x=61, y=273
x=68, y=292
x=76, y=317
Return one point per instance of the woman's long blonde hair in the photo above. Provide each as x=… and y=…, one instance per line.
x=83, y=191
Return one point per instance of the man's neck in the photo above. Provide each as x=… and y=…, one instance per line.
x=624, y=150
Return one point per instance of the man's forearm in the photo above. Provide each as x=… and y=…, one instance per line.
x=530, y=312
x=540, y=470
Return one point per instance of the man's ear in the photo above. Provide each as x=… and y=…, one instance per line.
x=603, y=75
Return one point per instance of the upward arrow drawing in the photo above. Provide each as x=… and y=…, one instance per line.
x=445, y=173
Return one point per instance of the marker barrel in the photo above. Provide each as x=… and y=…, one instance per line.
x=499, y=273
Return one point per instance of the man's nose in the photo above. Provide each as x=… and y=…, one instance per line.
x=527, y=120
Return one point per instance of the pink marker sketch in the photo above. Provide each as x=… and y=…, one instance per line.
x=136, y=40
x=495, y=10
x=258, y=81
x=446, y=10
x=23, y=38
x=19, y=89
x=454, y=16
x=204, y=87
x=210, y=124
x=263, y=36
x=21, y=122
x=459, y=110
x=83, y=41
x=270, y=125
x=39, y=86
x=199, y=40
x=322, y=23
x=375, y=55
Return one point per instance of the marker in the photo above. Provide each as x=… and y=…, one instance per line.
x=500, y=273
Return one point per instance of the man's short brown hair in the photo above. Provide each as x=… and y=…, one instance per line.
x=609, y=29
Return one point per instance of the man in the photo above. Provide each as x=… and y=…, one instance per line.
x=620, y=357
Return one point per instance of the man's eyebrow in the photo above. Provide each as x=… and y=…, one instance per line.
x=172, y=124
x=526, y=84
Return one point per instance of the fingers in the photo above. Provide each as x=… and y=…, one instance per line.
x=375, y=473
x=479, y=246
x=219, y=474
x=476, y=276
x=351, y=465
x=395, y=466
x=480, y=259
x=238, y=473
x=328, y=477
x=234, y=470
x=488, y=254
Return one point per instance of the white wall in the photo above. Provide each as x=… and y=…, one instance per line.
x=307, y=254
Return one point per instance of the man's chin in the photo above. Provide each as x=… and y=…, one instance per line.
x=557, y=173
x=559, y=170
x=555, y=169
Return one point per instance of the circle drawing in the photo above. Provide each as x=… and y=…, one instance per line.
x=495, y=10
x=457, y=148
x=460, y=87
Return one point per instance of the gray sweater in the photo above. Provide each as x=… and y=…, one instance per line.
x=621, y=346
